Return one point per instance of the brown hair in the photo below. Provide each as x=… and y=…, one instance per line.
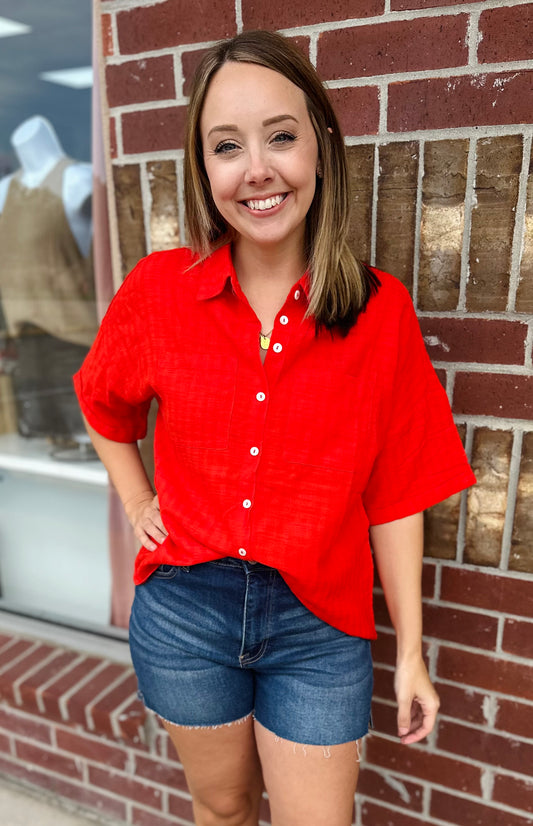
x=340, y=285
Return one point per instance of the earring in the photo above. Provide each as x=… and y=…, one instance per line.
x=319, y=172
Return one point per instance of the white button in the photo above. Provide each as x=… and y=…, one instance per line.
x=284, y=320
x=254, y=451
x=247, y=503
x=297, y=294
x=277, y=347
x=260, y=397
x=242, y=552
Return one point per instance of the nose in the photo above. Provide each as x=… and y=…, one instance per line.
x=258, y=168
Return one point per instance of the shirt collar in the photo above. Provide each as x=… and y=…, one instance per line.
x=214, y=273
x=216, y=270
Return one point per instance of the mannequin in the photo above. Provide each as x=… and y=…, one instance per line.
x=46, y=277
x=38, y=150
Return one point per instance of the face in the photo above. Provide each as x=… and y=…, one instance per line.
x=260, y=154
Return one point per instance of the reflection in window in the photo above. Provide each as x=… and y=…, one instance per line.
x=53, y=492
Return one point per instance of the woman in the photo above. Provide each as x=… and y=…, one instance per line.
x=298, y=415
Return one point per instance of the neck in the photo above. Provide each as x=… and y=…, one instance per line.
x=37, y=149
x=276, y=267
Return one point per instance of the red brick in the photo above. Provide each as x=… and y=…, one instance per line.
x=384, y=718
x=375, y=814
x=357, y=109
x=463, y=627
x=515, y=717
x=398, y=46
x=173, y=24
x=4, y=640
x=428, y=579
x=81, y=794
x=384, y=648
x=189, y=62
x=504, y=594
x=278, y=14
x=461, y=703
x=113, y=138
x=29, y=661
x=91, y=748
x=30, y=688
x=131, y=720
x=475, y=340
x=101, y=711
x=77, y=703
x=373, y=784
x=5, y=744
x=140, y=81
x=180, y=807
x=384, y=683
x=107, y=35
x=506, y=34
x=492, y=673
x=493, y=394
x=468, y=813
x=25, y=726
x=125, y=787
x=485, y=747
x=140, y=817
x=153, y=130
x=444, y=103
x=420, y=763
x=518, y=638
x=160, y=772
x=50, y=760
x=513, y=791
x=12, y=651
x=404, y=5
x=53, y=693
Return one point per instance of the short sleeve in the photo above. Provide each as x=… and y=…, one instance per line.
x=421, y=459
x=112, y=385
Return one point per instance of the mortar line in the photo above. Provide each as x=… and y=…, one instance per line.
x=146, y=194
x=418, y=219
x=463, y=508
x=519, y=225
x=375, y=186
x=512, y=490
x=469, y=203
x=238, y=16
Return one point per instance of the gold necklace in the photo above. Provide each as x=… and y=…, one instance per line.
x=264, y=339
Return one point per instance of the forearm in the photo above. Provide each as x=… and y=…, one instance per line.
x=125, y=467
x=398, y=549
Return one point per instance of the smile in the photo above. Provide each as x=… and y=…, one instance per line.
x=268, y=203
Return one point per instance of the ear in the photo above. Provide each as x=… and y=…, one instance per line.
x=330, y=130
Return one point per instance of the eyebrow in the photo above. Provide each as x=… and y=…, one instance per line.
x=231, y=127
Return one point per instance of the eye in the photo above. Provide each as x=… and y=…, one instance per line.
x=283, y=137
x=224, y=147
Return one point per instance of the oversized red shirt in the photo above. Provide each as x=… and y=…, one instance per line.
x=286, y=463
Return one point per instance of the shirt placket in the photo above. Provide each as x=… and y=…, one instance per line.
x=281, y=338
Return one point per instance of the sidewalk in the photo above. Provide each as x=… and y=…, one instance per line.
x=21, y=808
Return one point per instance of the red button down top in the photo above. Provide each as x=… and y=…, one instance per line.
x=286, y=463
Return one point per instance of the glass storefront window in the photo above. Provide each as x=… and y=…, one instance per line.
x=54, y=560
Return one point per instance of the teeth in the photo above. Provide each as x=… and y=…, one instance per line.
x=267, y=204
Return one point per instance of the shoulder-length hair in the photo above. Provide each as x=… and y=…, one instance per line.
x=340, y=285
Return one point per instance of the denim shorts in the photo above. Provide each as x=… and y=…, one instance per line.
x=215, y=642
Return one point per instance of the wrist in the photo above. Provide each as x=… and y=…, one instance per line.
x=134, y=501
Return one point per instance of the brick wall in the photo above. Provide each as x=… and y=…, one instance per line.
x=434, y=98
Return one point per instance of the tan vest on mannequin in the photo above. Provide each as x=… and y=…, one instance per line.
x=44, y=278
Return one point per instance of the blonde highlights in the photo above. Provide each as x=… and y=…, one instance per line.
x=340, y=285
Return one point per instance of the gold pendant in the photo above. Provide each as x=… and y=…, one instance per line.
x=264, y=341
